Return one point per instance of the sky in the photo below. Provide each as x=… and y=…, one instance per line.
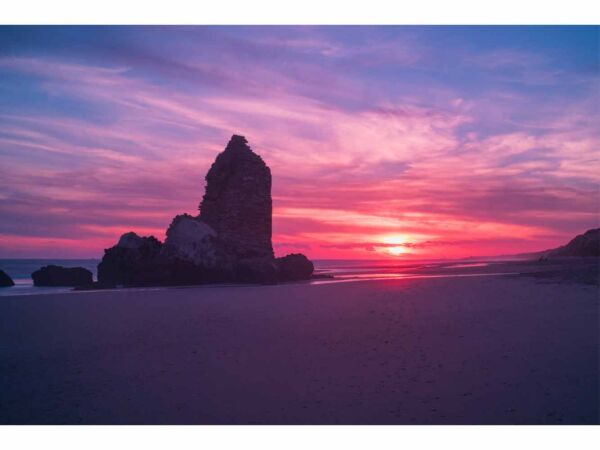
x=383, y=142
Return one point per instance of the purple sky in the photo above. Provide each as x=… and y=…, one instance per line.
x=383, y=141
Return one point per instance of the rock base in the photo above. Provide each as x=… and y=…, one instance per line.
x=62, y=276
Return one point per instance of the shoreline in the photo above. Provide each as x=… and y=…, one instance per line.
x=578, y=270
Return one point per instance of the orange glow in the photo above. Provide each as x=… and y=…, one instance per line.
x=396, y=241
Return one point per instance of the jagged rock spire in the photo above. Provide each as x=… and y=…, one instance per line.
x=237, y=143
x=237, y=202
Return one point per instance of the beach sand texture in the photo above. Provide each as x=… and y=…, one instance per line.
x=472, y=350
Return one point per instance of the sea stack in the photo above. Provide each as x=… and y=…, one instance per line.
x=62, y=276
x=229, y=241
x=237, y=201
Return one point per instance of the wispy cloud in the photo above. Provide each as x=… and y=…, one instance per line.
x=94, y=145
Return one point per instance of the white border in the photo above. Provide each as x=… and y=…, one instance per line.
x=301, y=437
x=300, y=12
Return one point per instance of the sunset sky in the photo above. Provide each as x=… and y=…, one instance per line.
x=383, y=142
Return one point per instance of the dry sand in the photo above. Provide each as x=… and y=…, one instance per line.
x=470, y=350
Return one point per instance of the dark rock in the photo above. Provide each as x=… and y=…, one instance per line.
x=5, y=280
x=237, y=202
x=583, y=245
x=294, y=267
x=230, y=241
x=131, y=261
x=255, y=270
x=192, y=240
x=61, y=276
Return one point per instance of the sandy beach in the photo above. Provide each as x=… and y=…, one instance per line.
x=449, y=350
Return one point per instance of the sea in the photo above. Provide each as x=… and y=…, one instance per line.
x=20, y=271
x=326, y=270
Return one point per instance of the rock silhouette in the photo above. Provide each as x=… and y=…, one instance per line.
x=583, y=245
x=237, y=203
x=61, y=276
x=229, y=241
x=294, y=267
x=5, y=280
x=131, y=261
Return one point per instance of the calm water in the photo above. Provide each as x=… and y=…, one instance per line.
x=20, y=271
x=353, y=270
x=342, y=270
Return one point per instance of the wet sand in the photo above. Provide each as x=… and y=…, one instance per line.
x=464, y=350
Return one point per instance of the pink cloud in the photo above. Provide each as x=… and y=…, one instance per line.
x=344, y=179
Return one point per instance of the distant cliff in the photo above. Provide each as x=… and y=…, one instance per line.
x=586, y=244
x=230, y=241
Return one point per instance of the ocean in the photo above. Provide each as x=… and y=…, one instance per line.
x=20, y=271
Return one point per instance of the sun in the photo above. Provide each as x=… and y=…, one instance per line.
x=394, y=245
x=396, y=251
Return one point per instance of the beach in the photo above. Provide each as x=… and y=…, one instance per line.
x=479, y=349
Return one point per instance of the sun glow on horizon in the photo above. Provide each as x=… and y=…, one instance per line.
x=394, y=244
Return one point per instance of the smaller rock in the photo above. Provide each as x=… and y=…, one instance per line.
x=294, y=267
x=5, y=280
x=61, y=276
x=130, y=262
x=192, y=240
